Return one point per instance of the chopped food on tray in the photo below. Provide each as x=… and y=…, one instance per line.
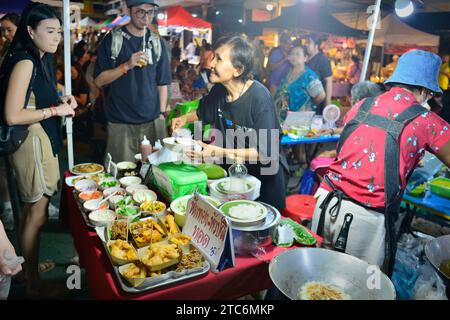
x=145, y=232
x=194, y=259
x=135, y=271
x=123, y=250
x=171, y=225
x=180, y=239
x=159, y=254
x=119, y=230
x=153, y=206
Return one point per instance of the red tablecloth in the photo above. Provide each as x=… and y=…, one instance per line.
x=249, y=274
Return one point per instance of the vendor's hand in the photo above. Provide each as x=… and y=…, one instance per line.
x=71, y=100
x=177, y=123
x=208, y=153
x=136, y=60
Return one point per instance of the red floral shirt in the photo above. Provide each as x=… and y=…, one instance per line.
x=359, y=169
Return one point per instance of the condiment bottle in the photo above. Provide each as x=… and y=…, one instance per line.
x=146, y=149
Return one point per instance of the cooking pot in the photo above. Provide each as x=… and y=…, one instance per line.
x=437, y=251
x=292, y=269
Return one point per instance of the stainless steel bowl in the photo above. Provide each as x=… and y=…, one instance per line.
x=437, y=251
x=292, y=269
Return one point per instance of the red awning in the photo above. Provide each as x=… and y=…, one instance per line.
x=178, y=16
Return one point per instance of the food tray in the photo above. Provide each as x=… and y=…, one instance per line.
x=153, y=283
x=83, y=211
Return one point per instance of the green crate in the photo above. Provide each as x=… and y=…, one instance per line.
x=440, y=186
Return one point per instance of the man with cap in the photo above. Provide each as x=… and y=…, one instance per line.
x=136, y=76
x=382, y=142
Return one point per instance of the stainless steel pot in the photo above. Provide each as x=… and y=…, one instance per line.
x=249, y=241
x=292, y=269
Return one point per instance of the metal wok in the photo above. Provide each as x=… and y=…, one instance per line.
x=437, y=251
x=291, y=269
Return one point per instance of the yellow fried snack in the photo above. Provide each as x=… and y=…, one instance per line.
x=146, y=232
x=153, y=206
x=121, y=249
x=171, y=226
x=135, y=271
x=158, y=254
x=180, y=239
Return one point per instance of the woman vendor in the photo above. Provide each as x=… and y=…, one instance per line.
x=243, y=113
x=382, y=142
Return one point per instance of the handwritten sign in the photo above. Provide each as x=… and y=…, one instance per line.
x=210, y=231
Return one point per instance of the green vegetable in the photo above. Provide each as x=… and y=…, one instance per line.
x=301, y=234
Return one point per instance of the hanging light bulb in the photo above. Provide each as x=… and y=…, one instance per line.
x=404, y=8
x=269, y=7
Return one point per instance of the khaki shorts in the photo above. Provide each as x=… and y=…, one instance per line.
x=35, y=167
x=124, y=140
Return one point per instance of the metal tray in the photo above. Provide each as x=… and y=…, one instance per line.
x=83, y=211
x=156, y=282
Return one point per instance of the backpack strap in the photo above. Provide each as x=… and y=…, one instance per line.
x=116, y=44
x=154, y=42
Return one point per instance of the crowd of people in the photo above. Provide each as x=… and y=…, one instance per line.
x=125, y=78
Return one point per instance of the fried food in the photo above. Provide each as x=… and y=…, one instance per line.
x=146, y=231
x=87, y=168
x=123, y=250
x=135, y=271
x=194, y=259
x=171, y=225
x=153, y=206
x=180, y=239
x=160, y=254
x=119, y=230
x=314, y=290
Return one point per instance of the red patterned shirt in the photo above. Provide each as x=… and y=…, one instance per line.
x=359, y=169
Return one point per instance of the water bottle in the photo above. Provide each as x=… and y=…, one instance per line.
x=5, y=281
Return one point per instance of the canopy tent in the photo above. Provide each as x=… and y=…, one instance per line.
x=119, y=21
x=87, y=22
x=178, y=16
x=394, y=32
x=310, y=17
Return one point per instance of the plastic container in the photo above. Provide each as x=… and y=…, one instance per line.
x=146, y=149
x=440, y=186
x=176, y=180
x=5, y=281
x=300, y=207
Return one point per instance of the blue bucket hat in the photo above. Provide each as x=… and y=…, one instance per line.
x=418, y=68
x=132, y=3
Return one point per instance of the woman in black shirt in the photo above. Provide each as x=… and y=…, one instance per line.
x=243, y=114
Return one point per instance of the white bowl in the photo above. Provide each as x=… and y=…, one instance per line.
x=129, y=181
x=89, y=194
x=119, y=191
x=180, y=144
x=128, y=217
x=85, y=185
x=92, y=205
x=135, y=187
x=126, y=165
x=144, y=195
x=111, y=181
x=179, y=206
x=101, y=218
x=114, y=200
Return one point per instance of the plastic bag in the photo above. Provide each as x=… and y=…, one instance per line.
x=429, y=286
x=431, y=166
x=308, y=181
x=10, y=262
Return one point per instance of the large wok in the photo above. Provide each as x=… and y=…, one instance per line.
x=291, y=269
x=437, y=251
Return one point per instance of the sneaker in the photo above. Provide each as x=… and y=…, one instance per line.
x=7, y=218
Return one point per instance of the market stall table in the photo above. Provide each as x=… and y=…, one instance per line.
x=438, y=208
x=248, y=276
x=285, y=140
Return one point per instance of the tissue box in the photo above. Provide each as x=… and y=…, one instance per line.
x=175, y=180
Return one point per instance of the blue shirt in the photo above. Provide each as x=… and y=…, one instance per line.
x=303, y=90
x=133, y=98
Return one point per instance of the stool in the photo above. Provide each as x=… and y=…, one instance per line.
x=300, y=208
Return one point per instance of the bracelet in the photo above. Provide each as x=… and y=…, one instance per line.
x=124, y=68
x=44, y=111
x=54, y=111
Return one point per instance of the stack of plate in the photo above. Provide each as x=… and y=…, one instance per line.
x=230, y=189
x=245, y=213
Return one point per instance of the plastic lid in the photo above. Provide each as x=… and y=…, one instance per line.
x=145, y=141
